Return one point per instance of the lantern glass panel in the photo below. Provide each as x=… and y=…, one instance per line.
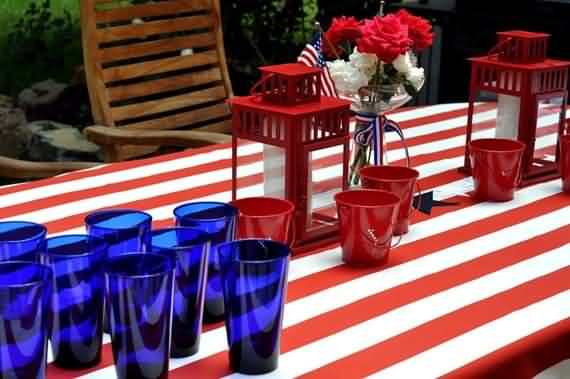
x=550, y=112
x=324, y=181
x=260, y=170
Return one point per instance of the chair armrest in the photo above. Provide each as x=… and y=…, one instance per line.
x=18, y=169
x=103, y=135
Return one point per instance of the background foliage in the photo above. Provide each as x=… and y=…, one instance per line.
x=41, y=39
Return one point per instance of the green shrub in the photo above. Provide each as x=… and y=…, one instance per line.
x=40, y=45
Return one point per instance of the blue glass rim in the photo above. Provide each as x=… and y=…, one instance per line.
x=166, y=260
x=229, y=207
x=40, y=232
x=201, y=238
x=90, y=216
x=99, y=246
x=276, y=247
x=44, y=272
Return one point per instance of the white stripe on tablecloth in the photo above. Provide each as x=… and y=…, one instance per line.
x=412, y=315
x=108, y=200
x=45, y=191
x=487, y=338
x=214, y=341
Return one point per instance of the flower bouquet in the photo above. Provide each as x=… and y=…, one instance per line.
x=376, y=67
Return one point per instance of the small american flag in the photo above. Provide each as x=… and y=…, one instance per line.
x=312, y=56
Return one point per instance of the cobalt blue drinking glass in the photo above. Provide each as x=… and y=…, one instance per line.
x=77, y=299
x=25, y=290
x=124, y=230
x=140, y=291
x=219, y=220
x=21, y=241
x=189, y=248
x=254, y=274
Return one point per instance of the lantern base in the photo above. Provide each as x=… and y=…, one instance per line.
x=541, y=171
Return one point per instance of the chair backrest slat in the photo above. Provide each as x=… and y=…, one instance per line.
x=155, y=107
x=156, y=65
x=181, y=119
x=118, y=12
x=139, y=50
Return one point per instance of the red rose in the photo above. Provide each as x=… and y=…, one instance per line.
x=342, y=29
x=387, y=37
x=419, y=29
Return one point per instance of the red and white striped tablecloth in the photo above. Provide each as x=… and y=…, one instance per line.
x=476, y=289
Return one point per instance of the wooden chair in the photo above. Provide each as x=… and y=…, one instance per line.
x=150, y=67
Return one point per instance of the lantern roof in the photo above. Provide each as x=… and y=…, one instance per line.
x=523, y=34
x=544, y=65
x=325, y=104
x=290, y=69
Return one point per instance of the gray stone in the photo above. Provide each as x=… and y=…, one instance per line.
x=51, y=141
x=40, y=94
x=12, y=141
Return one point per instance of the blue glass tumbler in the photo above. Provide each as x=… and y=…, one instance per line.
x=77, y=299
x=124, y=230
x=140, y=291
x=25, y=290
x=254, y=276
x=189, y=248
x=219, y=220
x=21, y=241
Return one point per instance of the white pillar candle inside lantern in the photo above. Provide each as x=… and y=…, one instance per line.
x=273, y=171
x=508, y=112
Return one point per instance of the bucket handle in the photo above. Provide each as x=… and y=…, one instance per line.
x=370, y=234
x=293, y=232
x=372, y=238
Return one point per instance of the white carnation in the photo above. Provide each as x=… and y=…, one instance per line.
x=347, y=78
x=403, y=63
x=365, y=62
x=416, y=76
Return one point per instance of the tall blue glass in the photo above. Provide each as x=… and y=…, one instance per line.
x=140, y=291
x=21, y=241
x=189, y=248
x=124, y=230
x=24, y=300
x=219, y=220
x=254, y=276
x=77, y=299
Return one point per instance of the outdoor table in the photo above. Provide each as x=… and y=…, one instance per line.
x=475, y=289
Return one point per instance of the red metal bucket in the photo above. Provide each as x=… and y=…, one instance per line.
x=264, y=217
x=367, y=219
x=396, y=179
x=565, y=162
x=496, y=168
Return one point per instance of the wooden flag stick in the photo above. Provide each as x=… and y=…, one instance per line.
x=326, y=40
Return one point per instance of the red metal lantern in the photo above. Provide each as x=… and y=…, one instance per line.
x=300, y=130
x=529, y=87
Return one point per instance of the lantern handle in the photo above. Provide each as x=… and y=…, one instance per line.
x=496, y=49
x=254, y=90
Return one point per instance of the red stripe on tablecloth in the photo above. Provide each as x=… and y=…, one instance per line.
x=111, y=168
x=309, y=285
x=451, y=325
x=462, y=112
x=124, y=186
x=216, y=365
x=341, y=274
x=523, y=359
x=115, y=167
